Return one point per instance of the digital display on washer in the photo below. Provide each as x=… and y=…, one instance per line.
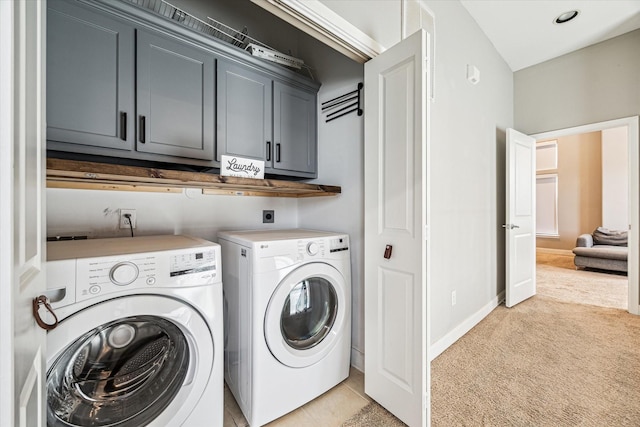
x=339, y=244
x=192, y=262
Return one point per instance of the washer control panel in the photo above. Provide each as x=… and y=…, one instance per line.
x=174, y=269
x=321, y=247
x=283, y=251
x=86, y=278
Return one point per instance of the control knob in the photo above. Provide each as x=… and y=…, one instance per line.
x=312, y=248
x=123, y=273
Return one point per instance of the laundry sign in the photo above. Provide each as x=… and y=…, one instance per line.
x=240, y=167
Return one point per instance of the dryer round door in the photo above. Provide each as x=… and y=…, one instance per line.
x=305, y=316
x=130, y=361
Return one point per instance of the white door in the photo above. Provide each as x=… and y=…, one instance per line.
x=520, y=228
x=396, y=287
x=307, y=315
x=22, y=134
x=137, y=360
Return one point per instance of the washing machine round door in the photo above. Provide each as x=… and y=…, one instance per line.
x=130, y=361
x=306, y=314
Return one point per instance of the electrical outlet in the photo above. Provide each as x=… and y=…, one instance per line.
x=453, y=298
x=268, y=217
x=124, y=221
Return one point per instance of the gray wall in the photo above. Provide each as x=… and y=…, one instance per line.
x=96, y=213
x=594, y=84
x=467, y=170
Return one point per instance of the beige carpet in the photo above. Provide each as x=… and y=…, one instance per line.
x=557, y=278
x=583, y=287
x=544, y=362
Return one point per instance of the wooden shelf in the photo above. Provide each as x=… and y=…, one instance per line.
x=102, y=176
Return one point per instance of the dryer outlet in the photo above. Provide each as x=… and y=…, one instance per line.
x=268, y=217
x=124, y=221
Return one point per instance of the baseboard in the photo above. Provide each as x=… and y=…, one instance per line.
x=357, y=359
x=445, y=342
x=555, y=251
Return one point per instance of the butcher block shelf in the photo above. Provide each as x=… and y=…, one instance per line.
x=76, y=174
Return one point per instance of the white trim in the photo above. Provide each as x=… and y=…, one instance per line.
x=7, y=94
x=553, y=233
x=547, y=145
x=357, y=359
x=554, y=251
x=417, y=15
x=593, y=127
x=458, y=332
x=317, y=20
x=632, y=123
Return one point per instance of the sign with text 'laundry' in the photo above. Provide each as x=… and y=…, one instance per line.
x=240, y=167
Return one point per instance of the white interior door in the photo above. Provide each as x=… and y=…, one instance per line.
x=396, y=287
x=520, y=228
x=22, y=354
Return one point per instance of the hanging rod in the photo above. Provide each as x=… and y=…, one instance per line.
x=340, y=101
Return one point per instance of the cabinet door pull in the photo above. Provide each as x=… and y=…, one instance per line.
x=278, y=152
x=268, y=151
x=142, y=129
x=123, y=126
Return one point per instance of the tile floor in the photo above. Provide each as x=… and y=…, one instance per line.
x=328, y=410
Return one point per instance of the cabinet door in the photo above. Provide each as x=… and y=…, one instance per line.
x=244, y=113
x=90, y=77
x=175, y=98
x=294, y=129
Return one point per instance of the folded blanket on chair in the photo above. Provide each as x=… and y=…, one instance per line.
x=604, y=236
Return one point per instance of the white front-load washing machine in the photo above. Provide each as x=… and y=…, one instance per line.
x=140, y=338
x=288, y=317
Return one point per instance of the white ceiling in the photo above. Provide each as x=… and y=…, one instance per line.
x=524, y=33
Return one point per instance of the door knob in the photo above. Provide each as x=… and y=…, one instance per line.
x=510, y=226
x=387, y=251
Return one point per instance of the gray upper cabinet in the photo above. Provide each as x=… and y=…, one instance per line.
x=294, y=129
x=90, y=78
x=265, y=119
x=125, y=83
x=175, y=98
x=244, y=113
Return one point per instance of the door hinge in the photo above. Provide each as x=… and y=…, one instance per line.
x=427, y=232
x=425, y=401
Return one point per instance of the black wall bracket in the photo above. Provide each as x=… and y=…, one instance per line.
x=335, y=108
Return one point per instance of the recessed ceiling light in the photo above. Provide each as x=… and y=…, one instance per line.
x=566, y=17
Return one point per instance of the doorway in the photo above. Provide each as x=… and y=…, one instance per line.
x=631, y=125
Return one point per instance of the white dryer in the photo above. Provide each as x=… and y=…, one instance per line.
x=288, y=319
x=140, y=337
